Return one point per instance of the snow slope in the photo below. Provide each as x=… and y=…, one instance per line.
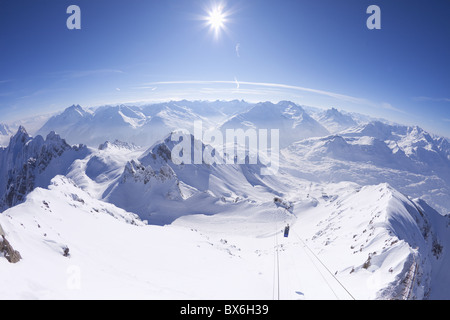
x=335, y=121
x=348, y=242
x=113, y=255
x=378, y=242
x=4, y=130
x=366, y=208
x=293, y=122
x=148, y=183
x=5, y=134
x=408, y=158
x=355, y=243
x=143, y=125
x=28, y=163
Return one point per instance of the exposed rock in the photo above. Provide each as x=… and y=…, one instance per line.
x=8, y=251
x=66, y=252
x=283, y=203
x=24, y=163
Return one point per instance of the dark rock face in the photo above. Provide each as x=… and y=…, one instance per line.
x=8, y=251
x=27, y=163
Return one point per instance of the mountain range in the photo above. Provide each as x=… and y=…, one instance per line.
x=99, y=205
x=5, y=133
x=142, y=125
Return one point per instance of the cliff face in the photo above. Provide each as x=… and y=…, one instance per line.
x=25, y=164
x=8, y=251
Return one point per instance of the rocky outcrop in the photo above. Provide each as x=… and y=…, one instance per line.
x=13, y=256
x=26, y=164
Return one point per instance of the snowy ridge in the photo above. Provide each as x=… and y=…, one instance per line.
x=4, y=130
x=366, y=206
x=5, y=134
x=374, y=237
x=293, y=122
x=141, y=125
x=28, y=163
x=117, y=144
x=160, y=191
x=335, y=121
x=111, y=253
x=408, y=158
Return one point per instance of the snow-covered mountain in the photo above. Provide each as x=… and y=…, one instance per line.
x=145, y=125
x=367, y=208
x=408, y=158
x=293, y=122
x=148, y=183
x=126, y=123
x=28, y=163
x=379, y=240
x=4, y=130
x=5, y=133
x=141, y=125
x=215, y=110
x=374, y=243
x=335, y=121
x=111, y=254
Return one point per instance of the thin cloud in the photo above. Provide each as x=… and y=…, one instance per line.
x=273, y=85
x=238, y=48
x=388, y=106
x=432, y=99
x=152, y=88
x=253, y=92
x=85, y=73
x=71, y=74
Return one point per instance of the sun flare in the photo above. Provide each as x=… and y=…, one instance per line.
x=216, y=18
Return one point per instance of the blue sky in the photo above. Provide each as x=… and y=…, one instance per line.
x=317, y=53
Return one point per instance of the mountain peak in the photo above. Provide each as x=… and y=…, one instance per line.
x=75, y=107
x=4, y=129
x=28, y=162
x=337, y=115
x=333, y=112
x=53, y=136
x=290, y=119
x=76, y=110
x=117, y=144
x=335, y=121
x=22, y=130
x=21, y=136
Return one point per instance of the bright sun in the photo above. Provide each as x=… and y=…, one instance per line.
x=216, y=19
